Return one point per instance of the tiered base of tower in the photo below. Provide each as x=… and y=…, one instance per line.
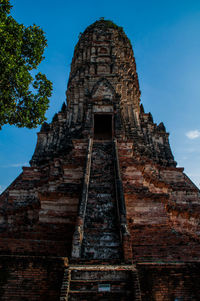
x=33, y=255
x=156, y=245
x=99, y=278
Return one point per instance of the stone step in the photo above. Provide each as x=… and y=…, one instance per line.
x=104, y=156
x=102, y=167
x=91, y=201
x=106, y=235
x=90, y=225
x=104, y=217
x=105, y=161
x=92, y=285
x=101, y=158
x=100, y=275
x=102, y=208
x=98, y=178
x=101, y=296
x=102, y=149
x=107, y=149
x=101, y=170
x=98, y=282
x=106, y=244
x=103, y=253
x=102, y=185
x=101, y=243
x=110, y=200
x=100, y=220
x=93, y=241
x=101, y=205
x=100, y=248
x=99, y=189
x=100, y=196
x=108, y=206
x=94, y=290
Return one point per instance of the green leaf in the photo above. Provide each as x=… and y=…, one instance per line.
x=22, y=50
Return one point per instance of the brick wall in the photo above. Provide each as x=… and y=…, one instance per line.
x=170, y=282
x=152, y=193
x=30, y=278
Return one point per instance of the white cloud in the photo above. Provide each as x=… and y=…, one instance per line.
x=15, y=165
x=18, y=164
x=193, y=134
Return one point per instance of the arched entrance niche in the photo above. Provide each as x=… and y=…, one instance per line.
x=103, y=95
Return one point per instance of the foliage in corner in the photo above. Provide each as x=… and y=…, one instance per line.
x=23, y=98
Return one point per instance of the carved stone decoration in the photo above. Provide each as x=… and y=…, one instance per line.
x=103, y=91
x=102, y=202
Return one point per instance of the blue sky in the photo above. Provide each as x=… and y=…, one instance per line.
x=165, y=36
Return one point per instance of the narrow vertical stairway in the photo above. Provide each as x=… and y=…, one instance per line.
x=101, y=238
x=100, y=273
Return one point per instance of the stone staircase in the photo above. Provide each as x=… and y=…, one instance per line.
x=101, y=240
x=64, y=292
x=136, y=285
x=99, y=273
x=100, y=283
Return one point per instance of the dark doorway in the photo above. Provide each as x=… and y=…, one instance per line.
x=102, y=127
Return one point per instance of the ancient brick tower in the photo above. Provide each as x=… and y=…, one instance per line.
x=102, y=213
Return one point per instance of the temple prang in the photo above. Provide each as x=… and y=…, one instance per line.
x=102, y=213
